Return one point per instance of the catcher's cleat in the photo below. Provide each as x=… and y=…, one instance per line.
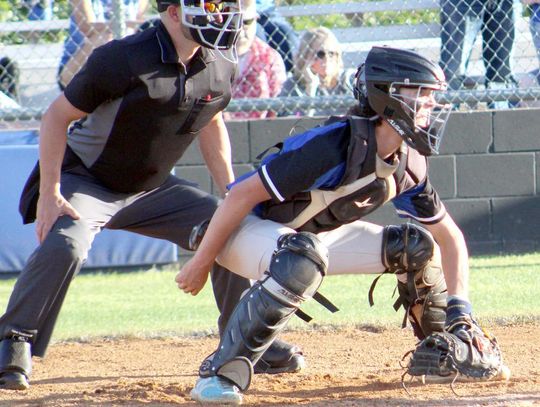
x=13, y=381
x=281, y=357
x=216, y=390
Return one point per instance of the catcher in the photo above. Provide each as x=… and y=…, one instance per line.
x=297, y=219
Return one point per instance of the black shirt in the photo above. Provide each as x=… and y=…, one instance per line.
x=144, y=107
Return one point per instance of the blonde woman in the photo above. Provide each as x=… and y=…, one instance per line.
x=318, y=68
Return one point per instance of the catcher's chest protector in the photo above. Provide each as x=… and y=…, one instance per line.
x=364, y=186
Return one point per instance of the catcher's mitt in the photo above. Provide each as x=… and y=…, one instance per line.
x=463, y=349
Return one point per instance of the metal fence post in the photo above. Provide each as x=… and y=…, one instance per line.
x=118, y=22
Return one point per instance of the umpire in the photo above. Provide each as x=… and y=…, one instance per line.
x=137, y=105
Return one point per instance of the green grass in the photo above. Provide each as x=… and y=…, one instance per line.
x=147, y=303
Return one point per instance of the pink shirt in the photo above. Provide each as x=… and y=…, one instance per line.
x=261, y=73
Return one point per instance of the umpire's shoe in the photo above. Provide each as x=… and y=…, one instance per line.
x=216, y=390
x=15, y=362
x=281, y=357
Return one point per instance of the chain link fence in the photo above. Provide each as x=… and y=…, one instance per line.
x=489, y=50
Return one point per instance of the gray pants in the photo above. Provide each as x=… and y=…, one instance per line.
x=168, y=212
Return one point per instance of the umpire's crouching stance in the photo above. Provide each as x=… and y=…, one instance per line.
x=138, y=104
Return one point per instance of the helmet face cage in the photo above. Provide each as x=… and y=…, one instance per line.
x=419, y=121
x=213, y=24
x=426, y=123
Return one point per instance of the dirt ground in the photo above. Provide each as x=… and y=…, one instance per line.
x=352, y=367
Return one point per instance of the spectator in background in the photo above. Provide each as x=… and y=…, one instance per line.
x=461, y=20
x=7, y=103
x=276, y=31
x=534, y=24
x=9, y=82
x=532, y=79
x=261, y=71
x=318, y=69
x=89, y=28
x=39, y=9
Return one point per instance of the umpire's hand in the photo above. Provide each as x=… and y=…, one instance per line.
x=50, y=207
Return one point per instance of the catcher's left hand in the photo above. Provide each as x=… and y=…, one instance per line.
x=464, y=349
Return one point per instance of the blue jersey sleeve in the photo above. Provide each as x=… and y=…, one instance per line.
x=421, y=203
x=311, y=160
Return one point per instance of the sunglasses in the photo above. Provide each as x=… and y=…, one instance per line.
x=213, y=7
x=326, y=54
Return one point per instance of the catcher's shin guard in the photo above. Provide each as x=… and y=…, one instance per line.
x=296, y=272
x=410, y=249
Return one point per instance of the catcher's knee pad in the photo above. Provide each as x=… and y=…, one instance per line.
x=296, y=272
x=410, y=249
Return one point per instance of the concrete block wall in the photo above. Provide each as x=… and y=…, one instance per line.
x=488, y=173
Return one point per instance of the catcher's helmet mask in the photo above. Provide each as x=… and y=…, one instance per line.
x=212, y=24
x=378, y=86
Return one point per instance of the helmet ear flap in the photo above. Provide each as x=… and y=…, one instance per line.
x=360, y=93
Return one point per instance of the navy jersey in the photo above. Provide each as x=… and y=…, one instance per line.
x=331, y=175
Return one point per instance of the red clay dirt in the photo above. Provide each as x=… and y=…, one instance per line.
x=348, y=367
